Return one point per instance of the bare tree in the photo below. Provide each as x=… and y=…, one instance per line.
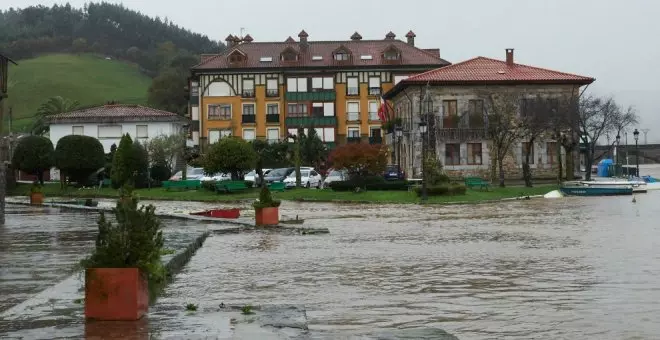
x=535, y=120
x=565, y=130
x=503, y=126
x=598, y=117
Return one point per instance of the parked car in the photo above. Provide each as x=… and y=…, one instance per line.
x=216, y=177
x=309, y=178
x=334, y=176
x=394, y=172
x=253, y=177
x=191, y=173
x=278, y=175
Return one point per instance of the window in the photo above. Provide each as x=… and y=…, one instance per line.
x=78, y=130
x=272, y=109
x=317, y=57
x=266, y=59
x=374, y=86
x=474, y=154
x=110, y=131
x=341, y=56
x=296, y=110
x=235, y=58
x=329, y=109
x=322, y=83
x=399, y=78
x=450, y=117
x=326, y=134
x=373, y=110
x=353, y=132
x=142, y=131
x=272, y=135
x=215, y=135
x=219, y=112
x=296, y=84
x=248, y=134
x=476, y=113
x=527, y=146
x=289, y=56
x=551, y=152
x=272, y=90
x=352, y=87
x=353, y=110
x=248, y=87
x=317, y=109
x=452, y=154
x=391, y=55
x=248, y=109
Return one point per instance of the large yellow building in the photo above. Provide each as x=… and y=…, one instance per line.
x=266, y=90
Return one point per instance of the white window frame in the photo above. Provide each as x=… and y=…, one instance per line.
x=269, y=87
x=375, y=127
x=276, y=104
x=291, y=84
x=251, y=88
x=352, y=128
x=254, y=109
x=269, y=130
x=254, y=134
x=352, y=115
x=326, y=134
x=317, y=83
x=348, y=86
x=121, y=132
x=328, y=83
x=221, y=134
x=302, y=84
x=329, y=109
x=208, y=111
x=341, y=56
x=137, y=131
x=374, y=82
x=75, y=127
x=373, y=115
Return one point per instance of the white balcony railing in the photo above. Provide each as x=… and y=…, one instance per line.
x=353, y=116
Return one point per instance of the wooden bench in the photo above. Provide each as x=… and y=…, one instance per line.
x=230, y=186
x=472, y=182
x=277, y=186
x=184, y=185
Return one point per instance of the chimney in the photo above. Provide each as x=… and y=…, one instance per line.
x=356, y=36
x=248, y=39
x=303, y=38
x=230, y=40
x=411, y=38
x=390, y=36
x=509, y=56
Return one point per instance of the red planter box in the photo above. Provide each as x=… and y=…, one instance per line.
x=115, y=294
x=37, y=198
x=267, y=216
x=219, y=213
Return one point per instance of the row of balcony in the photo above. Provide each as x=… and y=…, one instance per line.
x=322, y=95
x=302, y=121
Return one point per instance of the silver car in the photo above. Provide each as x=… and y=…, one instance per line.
x=334, y=176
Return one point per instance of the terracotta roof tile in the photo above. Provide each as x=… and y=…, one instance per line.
x=481, y=69
x=116, y=112
x=410, y=55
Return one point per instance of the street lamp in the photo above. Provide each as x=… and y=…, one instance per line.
x=636, y=134
x=398, y=132
x=616, y=152
x=422, y=131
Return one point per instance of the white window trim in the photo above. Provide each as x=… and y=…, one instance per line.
x=348, y=112
x=98, y=130
x=73, y=129
x=248, y=80
x=369, y=103
x=270, y=129
x=231, y=111
x=249, y=129
x=136, y=131
x=273, y=103
x=254, y=108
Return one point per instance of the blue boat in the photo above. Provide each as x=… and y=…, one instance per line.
x=594, y=189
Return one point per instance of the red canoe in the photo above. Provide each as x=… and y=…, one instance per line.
x=219, y=213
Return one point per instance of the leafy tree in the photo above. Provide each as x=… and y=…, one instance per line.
x=122, y=163
x=52, y=106
x=360, y=160
x=140, y=165
x=313, y=151
x=79, y=156
x=164, y=150
x=79, y=45
x=34, y=155
x=230, y=155
x=536, y=120
x=269, y=155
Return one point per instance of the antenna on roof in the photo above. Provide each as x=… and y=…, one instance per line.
x=241, y=33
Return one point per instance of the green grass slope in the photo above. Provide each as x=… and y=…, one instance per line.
x=88, y=79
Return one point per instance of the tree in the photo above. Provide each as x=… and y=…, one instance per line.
x=270, y=155
x=503, y=126
x=166, y=149
x=360, y=160
x=140, y=165
x=230, y=155
x=79, y=45
x=34, y=155
x=79, y=156
x=313, y=151
x=52, y=106
x=598, y=117
x=122, y=163
x=535, y=118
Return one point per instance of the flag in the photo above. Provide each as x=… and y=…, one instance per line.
x=382, y=110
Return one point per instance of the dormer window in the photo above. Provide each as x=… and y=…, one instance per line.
x=392, y=53
x=341, y=56
x=289, y=54
x=237, y=56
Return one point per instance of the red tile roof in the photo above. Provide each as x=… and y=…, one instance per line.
x=410, y=55
x=116, y=112
x=487, y=70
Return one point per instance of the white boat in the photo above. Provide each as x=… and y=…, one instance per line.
x=639, y=186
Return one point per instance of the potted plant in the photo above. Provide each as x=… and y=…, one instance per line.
x=267, y=211
x=36, y=194
x=125, y=266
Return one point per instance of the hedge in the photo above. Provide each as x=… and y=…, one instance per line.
x=369, y=184
x=210, y=185
x=443, y=190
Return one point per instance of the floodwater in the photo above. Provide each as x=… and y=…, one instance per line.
x=571, y=268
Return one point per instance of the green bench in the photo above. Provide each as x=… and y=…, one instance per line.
x=230, y=186
x=277, y=186
x=106, y=183
x=472, y=182
x=183, y=185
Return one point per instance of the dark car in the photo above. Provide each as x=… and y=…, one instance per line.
x=278, y=175
x=394, y=172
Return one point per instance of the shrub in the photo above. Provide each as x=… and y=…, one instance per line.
x=369, y=183
x=230, y=155
x=160, y=172
x=78, y=157
x=443, y=190
x=140, y=165
x=360, y=159
x=249, y=184
x=34, y=155
x=265, y=200
x=209, y=185
x=122, y=163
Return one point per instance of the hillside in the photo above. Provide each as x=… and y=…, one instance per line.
x=88, y=79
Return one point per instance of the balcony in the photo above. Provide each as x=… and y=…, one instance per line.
x=353, y=91
x=461, y=134
x=374, y=91
x=376, y=140
x=248, y=93
x=373, y=116
x=353, y=116
x=273, y=118
x=311, y=121
x=321, y=96
x=249, y=119
x=353, y=140
x=272, y=93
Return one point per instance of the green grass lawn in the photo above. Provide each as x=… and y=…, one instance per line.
x=474, y=196
x=88, y=79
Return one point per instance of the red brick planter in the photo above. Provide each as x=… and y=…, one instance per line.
x=115, y=294
x=37, y=198
x=267, y=216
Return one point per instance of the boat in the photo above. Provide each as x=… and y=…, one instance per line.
x=590, y=188
x=296, y=221
x=652, y=183
x=638, y=185
x=219, y=213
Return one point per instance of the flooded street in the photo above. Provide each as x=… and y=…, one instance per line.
x=571, y=268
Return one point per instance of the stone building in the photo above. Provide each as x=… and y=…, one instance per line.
x=459, y=101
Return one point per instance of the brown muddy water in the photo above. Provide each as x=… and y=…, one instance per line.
x=571, y=268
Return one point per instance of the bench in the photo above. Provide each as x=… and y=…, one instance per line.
x=277, y=186
x=184, y=185
x=106, y=183
x=472, y=182
x=230, y=186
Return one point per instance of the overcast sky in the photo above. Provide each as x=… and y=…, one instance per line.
x=612, y=40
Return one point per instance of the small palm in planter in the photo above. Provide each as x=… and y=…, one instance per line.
x=125, y=264
x=267, y=211
x=36, y=194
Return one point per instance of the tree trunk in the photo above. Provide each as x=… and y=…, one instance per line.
x=493, y=168
x=570, y=163
x=588, y=162
x=40, y=176
x=527, y=170
x=560, y=167
x=500, y=165
x=297, y=163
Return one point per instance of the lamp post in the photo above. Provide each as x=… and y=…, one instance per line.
x=422, y=132
x=636, y=134
x=398, y=132
x=616, y=153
